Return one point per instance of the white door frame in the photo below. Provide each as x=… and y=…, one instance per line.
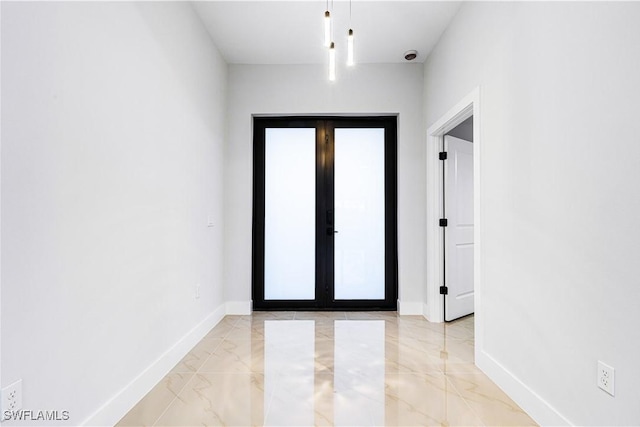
x=468, y=106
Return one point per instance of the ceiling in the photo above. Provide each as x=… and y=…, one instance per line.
x=292, y=32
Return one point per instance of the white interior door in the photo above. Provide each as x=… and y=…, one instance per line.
x=458, y=205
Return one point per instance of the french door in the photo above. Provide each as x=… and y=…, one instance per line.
x=324, y=213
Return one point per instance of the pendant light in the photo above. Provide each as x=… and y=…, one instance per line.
x=332, y=62
x=328, y=41
x=350, y=61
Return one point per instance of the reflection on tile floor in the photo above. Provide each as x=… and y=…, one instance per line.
x=324, y=369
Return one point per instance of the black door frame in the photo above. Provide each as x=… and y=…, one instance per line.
x=324, y=212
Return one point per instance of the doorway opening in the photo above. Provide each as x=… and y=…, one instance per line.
x=436, y=253
x=324, y=213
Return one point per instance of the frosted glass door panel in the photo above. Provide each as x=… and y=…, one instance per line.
x=290, y=206
x=359, y=214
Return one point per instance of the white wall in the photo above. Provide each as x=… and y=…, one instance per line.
x=112, y=153
x=305, y=89
x=559, y=187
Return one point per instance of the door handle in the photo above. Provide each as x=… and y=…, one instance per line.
x=331, y=231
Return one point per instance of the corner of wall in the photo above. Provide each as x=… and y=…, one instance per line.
x=242, y=308
x=426, y=312
x=409, y=308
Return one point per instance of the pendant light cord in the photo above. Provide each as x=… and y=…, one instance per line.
x=332, y=20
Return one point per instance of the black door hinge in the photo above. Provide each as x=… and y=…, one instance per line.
x=442, y=155
x=443, y=222
x=444, y=290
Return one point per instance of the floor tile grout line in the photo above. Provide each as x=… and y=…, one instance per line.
x=228, y=339
x=199, y=370
x=485, y=377
x=193, y=374
x=155, y=423
x=266, y=412
x=229, y=331
x=466, y=402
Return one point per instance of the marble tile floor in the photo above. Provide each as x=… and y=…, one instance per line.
x=329, y=368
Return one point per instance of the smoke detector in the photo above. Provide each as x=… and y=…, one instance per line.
x=410, y=55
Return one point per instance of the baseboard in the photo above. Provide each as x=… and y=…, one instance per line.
x=532, y=403
x=409, y=308
x=239, y=307
x=115, y=408
x=426, y=312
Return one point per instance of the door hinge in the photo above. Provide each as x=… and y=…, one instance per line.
x=442, y=155
x=444, y=290
x=443, y=222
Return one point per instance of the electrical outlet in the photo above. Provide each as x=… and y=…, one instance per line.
x=197, y=294
x=12, y=397
x=606, y=377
